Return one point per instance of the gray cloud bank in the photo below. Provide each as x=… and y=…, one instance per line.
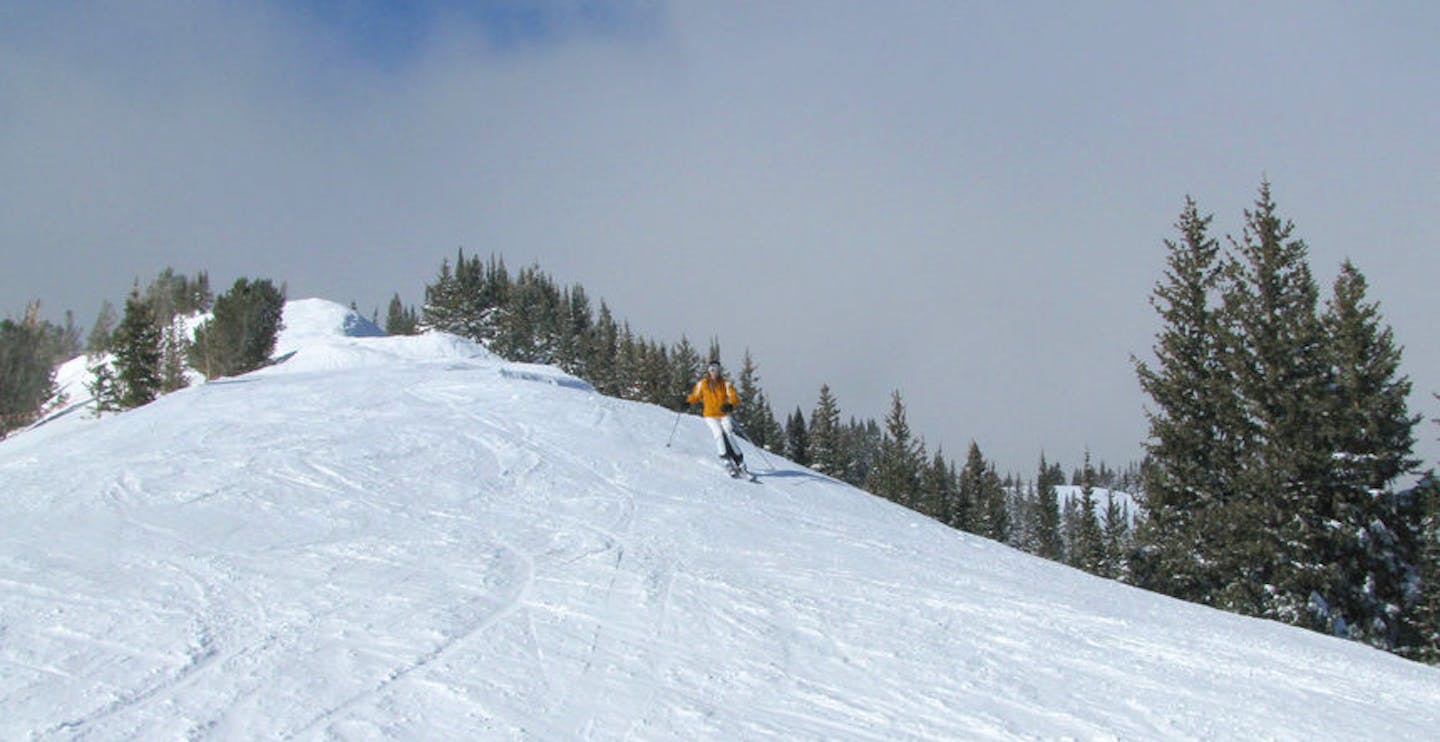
x=965, y=202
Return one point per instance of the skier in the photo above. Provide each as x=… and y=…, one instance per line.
x=720, y=399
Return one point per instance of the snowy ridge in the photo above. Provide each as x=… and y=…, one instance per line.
x=407, y=538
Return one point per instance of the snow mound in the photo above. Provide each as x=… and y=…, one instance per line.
x=309, y=318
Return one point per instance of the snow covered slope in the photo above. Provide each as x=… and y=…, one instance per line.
x=406, y=538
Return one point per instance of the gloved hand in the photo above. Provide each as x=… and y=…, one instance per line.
x=727, y=408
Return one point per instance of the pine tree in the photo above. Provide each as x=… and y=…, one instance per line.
x=577, y=326
x=1089, y=539
x=1275, y=353
x=27, y=370
x=896, y=476
x=98, y=341
x=174, y=349
x=797, y=440
x=103, y=386
x=749, y=412
x=137, y=353
x=601, y=357
x=827, y=445
x=686, y=369
x=1371, y=545
x=241, y=334
x=400, y=320
x=998, y=522
x=972, y=509
x=1115, y=540
x=1046, y=514
x=441, y=310
x=1193, y=447
x=1070, y=530
x=938, y=487
x=766, y=432
x=1422, y=631
x=861, y=443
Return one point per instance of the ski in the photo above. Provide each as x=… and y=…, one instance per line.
x=740, y=472
x=743, y=473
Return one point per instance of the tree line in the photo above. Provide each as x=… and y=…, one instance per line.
x=147, y=351
x=527, y=316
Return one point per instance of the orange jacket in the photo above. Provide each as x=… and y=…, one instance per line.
x=715, y=395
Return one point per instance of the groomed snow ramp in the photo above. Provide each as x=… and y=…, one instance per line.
x=406, y=538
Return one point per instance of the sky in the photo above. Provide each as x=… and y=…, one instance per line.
x=965, y=202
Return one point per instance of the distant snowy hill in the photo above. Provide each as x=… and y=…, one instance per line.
x=408, y=538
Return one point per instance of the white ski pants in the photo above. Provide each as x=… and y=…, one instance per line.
x=719, y=428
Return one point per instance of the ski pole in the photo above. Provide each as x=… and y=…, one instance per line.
x=678, y=413
x=746, y=436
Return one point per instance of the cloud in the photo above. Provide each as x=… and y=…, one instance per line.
x=964, y=203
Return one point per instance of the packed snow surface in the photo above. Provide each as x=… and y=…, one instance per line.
x=408, y=538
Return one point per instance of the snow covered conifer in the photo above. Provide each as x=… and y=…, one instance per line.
x=1193, y=448
x=1276, y=354
x=1372, y=543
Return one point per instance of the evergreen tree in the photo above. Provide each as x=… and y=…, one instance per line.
x=171, y=294
x=626, y=362
x=827, y=445
x=998, y=523
x=1070, y=530
x=972, y=510
x=442, y=308
x=137, y=354
x=241, y=335
x=174, y=347
x=1115, y=540
x=601, y=358
x=1372, y=543
x=1275, y=353
x=400, y=320
x=103, y=386
x=1089, y=551
x=97, y=343
x=749, y=412
x=1023, y=507
x=1193, y=447
x=27, y=370
x=861, y=443
x=1046, y=515
x=767, y=431
x=686, y=368
x=66, y=340
x=896, y=476
x=937, y=486
x=1422, y=633
x=797, y=440
x=577, y=325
